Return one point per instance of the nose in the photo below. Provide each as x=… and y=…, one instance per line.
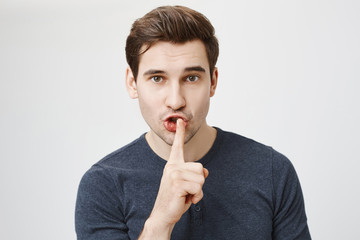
x=175, y=98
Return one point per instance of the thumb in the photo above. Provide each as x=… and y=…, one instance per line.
x=177, y=149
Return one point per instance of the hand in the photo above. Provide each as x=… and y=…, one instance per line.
x=181, y=183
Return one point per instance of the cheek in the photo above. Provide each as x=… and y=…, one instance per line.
x=147, y=105
x=200, y=102
x=150, y=104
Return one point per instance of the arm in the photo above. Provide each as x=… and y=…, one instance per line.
x=289, y=220
x=180, y=186
x=98, y=208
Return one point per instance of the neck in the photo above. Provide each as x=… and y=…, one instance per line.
x=194, y=149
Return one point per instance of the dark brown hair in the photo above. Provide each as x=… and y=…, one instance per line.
x=175, y=24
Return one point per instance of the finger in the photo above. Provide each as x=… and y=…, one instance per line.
x=177, y=149
x=206, y=172
x=188, y=176
x=194, y=190
x=197, y=197
x=195, y=167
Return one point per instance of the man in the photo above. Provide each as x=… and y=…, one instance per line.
x=184, y=179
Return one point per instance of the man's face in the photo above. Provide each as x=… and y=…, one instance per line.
x=173, y=82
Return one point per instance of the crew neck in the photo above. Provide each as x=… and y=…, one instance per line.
x=204, y=160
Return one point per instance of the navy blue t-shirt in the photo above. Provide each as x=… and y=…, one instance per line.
x=252, y=192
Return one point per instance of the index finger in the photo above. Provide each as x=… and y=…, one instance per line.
x=177, y=149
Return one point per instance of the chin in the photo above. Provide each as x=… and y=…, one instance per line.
x=168, y=137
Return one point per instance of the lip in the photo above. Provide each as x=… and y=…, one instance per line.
x=170, y=122
x=174, y=118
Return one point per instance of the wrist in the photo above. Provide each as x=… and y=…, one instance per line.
x=155, y=229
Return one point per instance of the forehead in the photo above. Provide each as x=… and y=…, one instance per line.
x=174, y=56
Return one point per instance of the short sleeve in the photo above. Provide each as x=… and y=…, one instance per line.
x=98, y=213
x=289, y=220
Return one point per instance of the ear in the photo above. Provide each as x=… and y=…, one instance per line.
x=130, y=83
x=214, y=79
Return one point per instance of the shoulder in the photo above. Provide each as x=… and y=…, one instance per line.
x=121, y=160
x=252, y=152
x=125, y=155
x=243, y=145
x=240, y=142
x=101, y=176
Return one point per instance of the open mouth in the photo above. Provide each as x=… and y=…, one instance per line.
x=170, y=123
x=173, y=119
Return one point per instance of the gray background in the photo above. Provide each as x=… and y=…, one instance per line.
x=288, y=77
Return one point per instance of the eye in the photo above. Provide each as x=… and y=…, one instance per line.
x=192, y=78
x=156, y=79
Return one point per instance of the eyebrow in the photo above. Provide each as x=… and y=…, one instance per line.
x=188, y=69
x=194, y=69
x=153, y=72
